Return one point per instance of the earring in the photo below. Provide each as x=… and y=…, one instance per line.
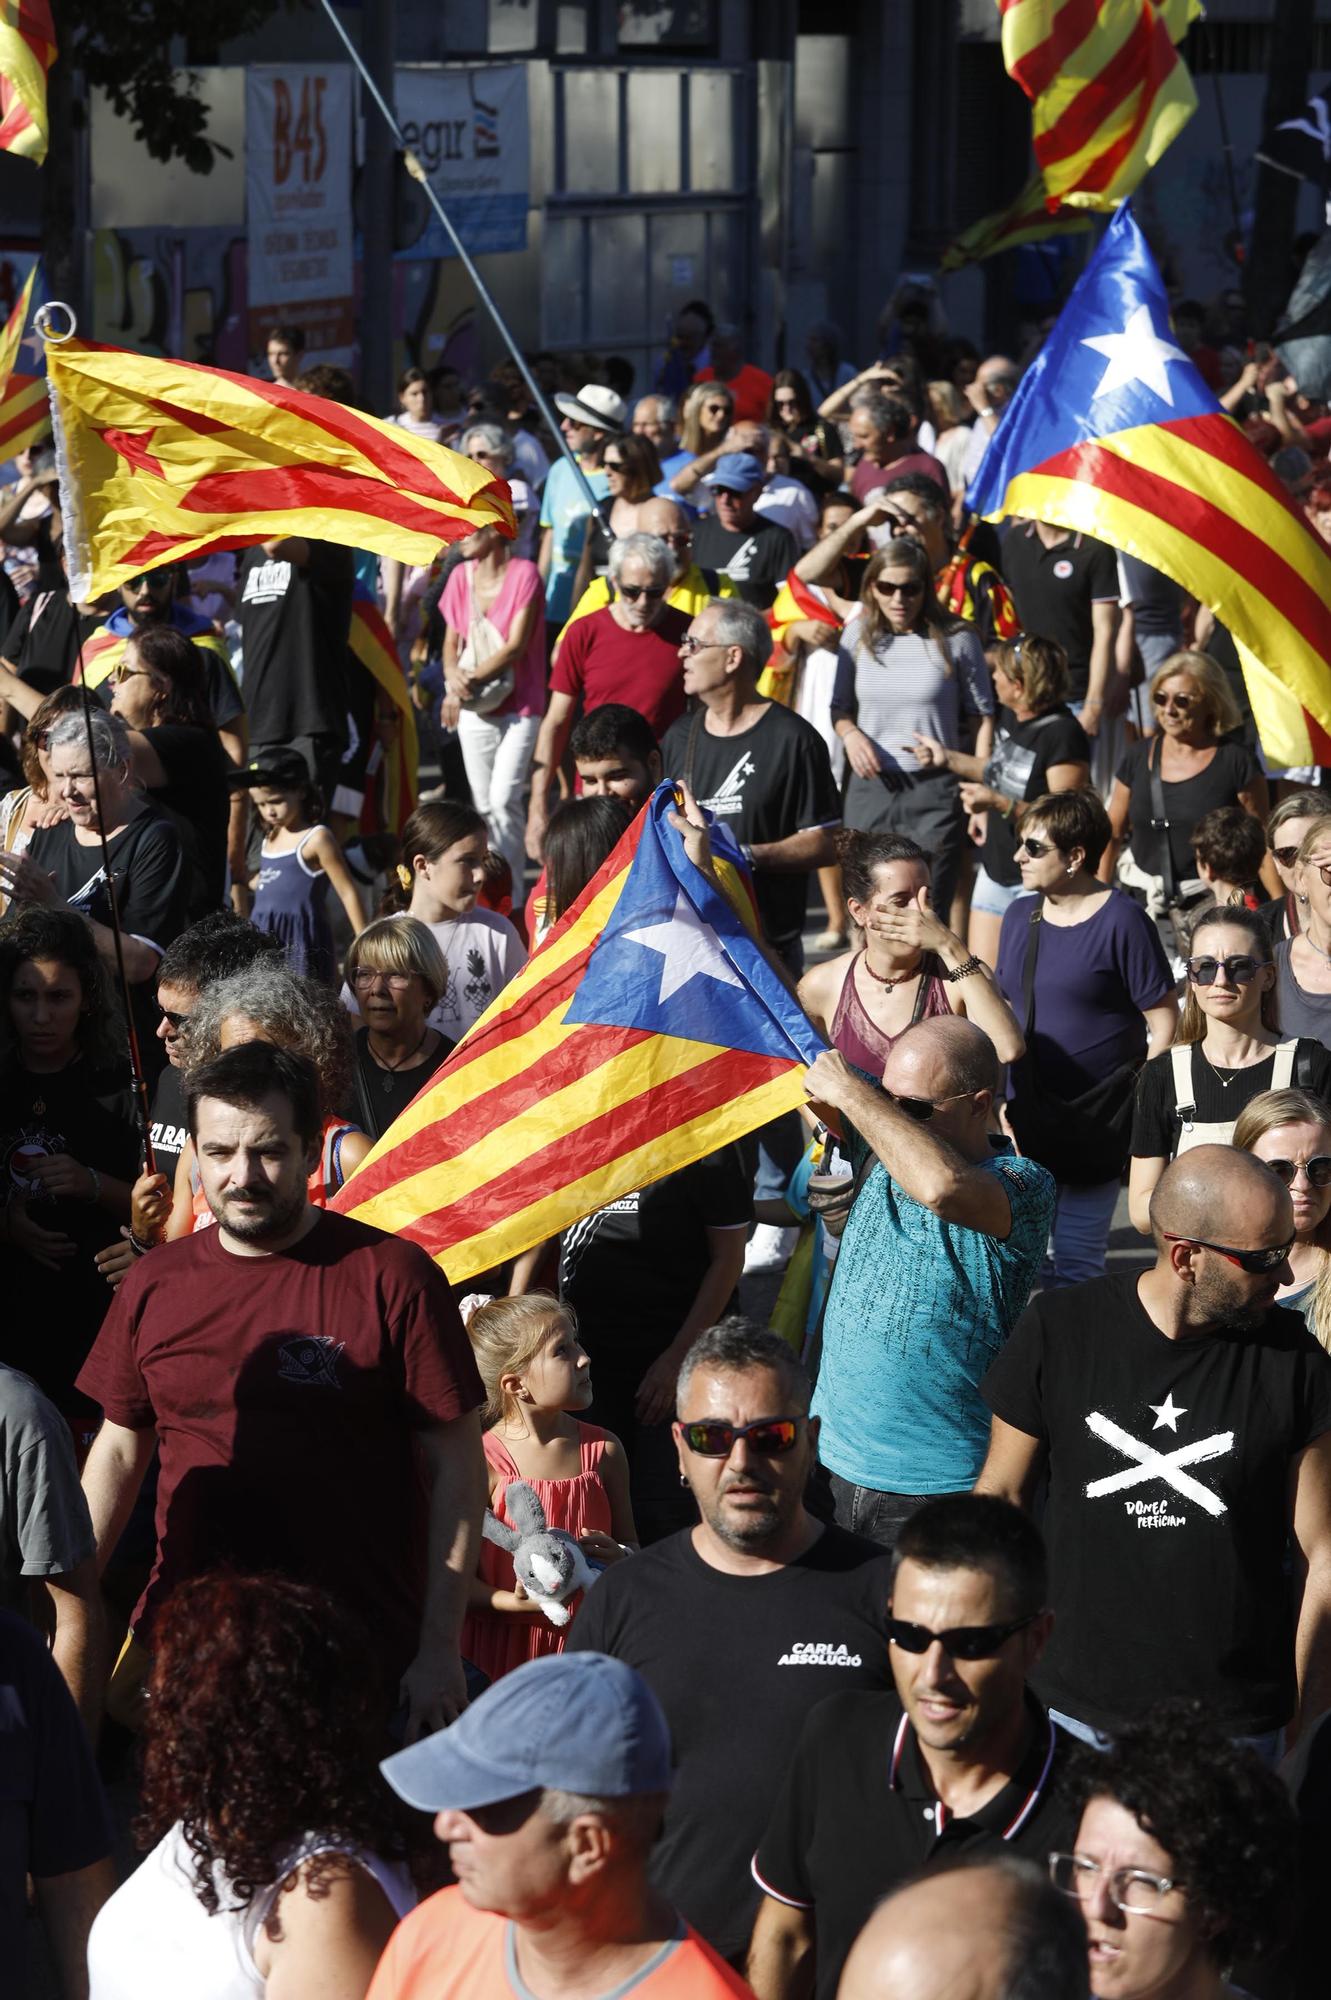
x=1071, y=870
x=1301, y=899
x=682, y=1480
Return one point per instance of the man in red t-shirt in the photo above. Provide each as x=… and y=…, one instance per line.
x=285, y=1363
x=628, y=652
x=750, y=386
x=882, y=429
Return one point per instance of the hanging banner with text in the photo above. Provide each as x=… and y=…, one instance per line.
x=298, y=204
x=468, y=128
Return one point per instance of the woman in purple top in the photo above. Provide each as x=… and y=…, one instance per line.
x=1104, y=993
x=493, y=606
x=909, y=966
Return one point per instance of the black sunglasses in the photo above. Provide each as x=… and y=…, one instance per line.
x=962, y=1642
x=176, y=1021
x=1035, y=848
x=1253, y=1261
x=1318, y=1170
x=772, y=1436
x=1238, y=970
x=1286, y=856
x=922, y=1109
x=152, y=579
x=633, y=591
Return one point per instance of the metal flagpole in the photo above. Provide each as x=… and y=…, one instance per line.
x=418, y=173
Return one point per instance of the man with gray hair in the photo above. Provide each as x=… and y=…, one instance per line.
x=741, y=1623
x=548, y=1792
x=757, y=765
x=627, y=652
x=937, y=1260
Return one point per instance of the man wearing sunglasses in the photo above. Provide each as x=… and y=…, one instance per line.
x=741, y=1623
x=1183, y=1421
x=960, y=1759
x=938, y=1257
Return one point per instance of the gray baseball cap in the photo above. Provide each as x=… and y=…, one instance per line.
x=572, y=1722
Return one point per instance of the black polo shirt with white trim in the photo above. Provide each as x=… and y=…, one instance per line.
x=1054, y=590
x=858, y=1814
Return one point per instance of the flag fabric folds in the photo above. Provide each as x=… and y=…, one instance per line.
x=12, y=334
x=1112, y=432
x=646, y=1031
x=1301, y=146
x=25, y=414
x=27, y=50
x=394, y=768
x=1108, y=90
x=1028, y=219
x=163, y=460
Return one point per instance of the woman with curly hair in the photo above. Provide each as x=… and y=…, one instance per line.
x=267, y=1002
x=275, y=1866
x=1183, y=1859
x=70, y=1145
x=34, y=803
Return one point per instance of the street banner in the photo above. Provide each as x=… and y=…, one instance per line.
x=298, y=158
x=468, y=128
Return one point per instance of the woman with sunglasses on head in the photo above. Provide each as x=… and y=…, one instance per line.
x=1184, y=1859
x=1228, y=1050
x=1083, y=970
x=817, y=458
x=1291, y=1131
x=1286, y=829
x=1188, y=767
x=633, y=469
x=904, y=669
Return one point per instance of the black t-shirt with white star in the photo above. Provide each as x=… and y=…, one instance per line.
x=1168, y=1512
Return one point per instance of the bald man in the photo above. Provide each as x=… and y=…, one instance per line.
x=691, y=587
x=976, y=1933
x=1183, y=1420
x=937, y=1259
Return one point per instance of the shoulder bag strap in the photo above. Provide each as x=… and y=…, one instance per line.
x=1160, y=821
x=927, y=976
x=1028, y=976
x=1282, y=1070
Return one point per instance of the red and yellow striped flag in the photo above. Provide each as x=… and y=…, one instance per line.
x=27, y=50
x=12, y=333
x=1028, y=219
x=1108, y=88
x=647, y=1031
x=372, y=643
x=25, y=414
x=164, y=460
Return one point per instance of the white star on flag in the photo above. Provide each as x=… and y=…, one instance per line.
x=1168, y=1413
x=689, y=949
x=1136, y=355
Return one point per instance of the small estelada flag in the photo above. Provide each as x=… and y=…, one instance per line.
x=11, y=335
x=27, y=50
x=161, y=461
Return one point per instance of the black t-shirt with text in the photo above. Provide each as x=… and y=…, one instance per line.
x=736, y=1663
x=858, y=1814
x=294, y=622
x=757, y=559
x=1168, y=1514
x=632, y=1270
x=1156, y=1127
x=1232, y=770
x=168, y=1127
x=766, y=783
x=1022, y=755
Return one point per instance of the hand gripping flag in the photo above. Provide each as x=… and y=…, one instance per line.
x=1112, y=432
x=27, y=50
x=646, y=1031
x=164, y=460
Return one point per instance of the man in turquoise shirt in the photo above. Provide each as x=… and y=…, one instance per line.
x=937, y=1261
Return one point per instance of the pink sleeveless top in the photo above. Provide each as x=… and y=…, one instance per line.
x=496, y=1641
x=860, y=1039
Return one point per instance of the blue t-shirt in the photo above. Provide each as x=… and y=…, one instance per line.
x=918, y=1309
x=564, y=509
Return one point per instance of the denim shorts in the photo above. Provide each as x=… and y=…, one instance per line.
x=994, y=898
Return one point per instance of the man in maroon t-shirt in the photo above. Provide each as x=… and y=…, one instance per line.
x=628, y=653
x=285, y=1363
x=882, y=429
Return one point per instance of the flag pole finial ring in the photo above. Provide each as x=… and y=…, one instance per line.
x=45, y=324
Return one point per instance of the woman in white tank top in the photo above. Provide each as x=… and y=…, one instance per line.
x=273, y=1830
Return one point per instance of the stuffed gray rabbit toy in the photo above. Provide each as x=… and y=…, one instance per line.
x=547, y=1563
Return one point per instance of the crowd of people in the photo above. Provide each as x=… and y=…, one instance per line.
x=816, y=1572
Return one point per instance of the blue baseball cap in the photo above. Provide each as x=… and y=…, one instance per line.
x=572, y=1722
x=736, y=472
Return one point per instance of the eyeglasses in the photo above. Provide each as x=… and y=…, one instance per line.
x=922, y=1109
x=897, y=589
x=1317, y=1172
x=962, y=1642
x=173, y=1021
x=653, y=592
x=772, y=1436
x=716, y=409
x=1286, y=856
x=123, y=671
x=688, y=645
x=1135, y=1891
x=396, y=982
x=1035, y=848
x=1182, y=702
x=1255, y=1262
x=613, y=464
x=1238, y=970
x=152, y=579
x=787, y=402
x=1324, y=870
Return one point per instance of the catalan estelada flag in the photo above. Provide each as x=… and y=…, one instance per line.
x=373, y=645
x=646, y=1031
x=27, y=50
x=162, y=460
x=1108, y=89
x=104, y=649
x=1112, y=432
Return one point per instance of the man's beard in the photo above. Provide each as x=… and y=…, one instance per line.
x=276, y=1216
x=1227, y=1312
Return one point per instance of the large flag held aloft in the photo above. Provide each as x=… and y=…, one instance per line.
x=1113, y=432
x=646, y=1031
x=164, y=460
x=27, y=50
x=1108, y=89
